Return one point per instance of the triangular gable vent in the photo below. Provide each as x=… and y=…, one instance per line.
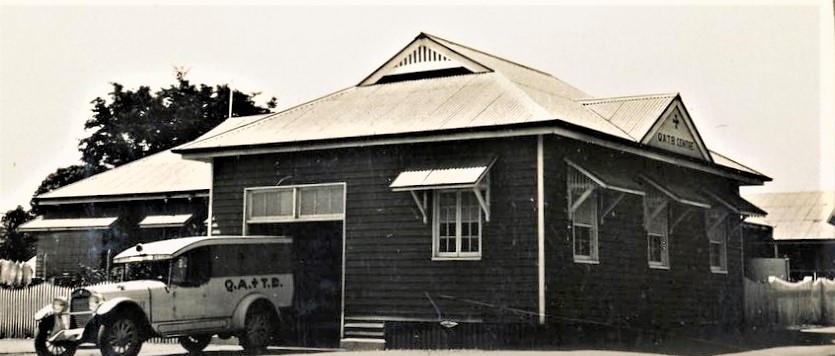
x=421, y=59
x=674, y=131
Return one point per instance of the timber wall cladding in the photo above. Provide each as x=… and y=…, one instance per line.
x=622, y=289
x=389, y=270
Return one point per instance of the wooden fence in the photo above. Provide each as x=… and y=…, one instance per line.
x=781, y=303
x=18, y=307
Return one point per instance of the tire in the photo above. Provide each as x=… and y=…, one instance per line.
x=45, y=348
x=195, y=343
x=120, y=336
x=259, y=326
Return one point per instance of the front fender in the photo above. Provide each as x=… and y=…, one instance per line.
x=43, y=313
x=239, y=317
x=109, y=305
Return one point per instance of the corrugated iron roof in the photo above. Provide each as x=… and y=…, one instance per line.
x=635, y=115
x=459, y=175
x=510, y=94
x=723, y=160
x=163, y=172
x=797, y=215
x=41, y=224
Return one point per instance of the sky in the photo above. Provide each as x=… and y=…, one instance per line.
x=756, y=79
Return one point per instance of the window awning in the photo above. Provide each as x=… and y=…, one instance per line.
x=607, y=180
x=677, y=192
x=158, y=221
x=462, y=175
x=80, y=224
x=735, y=203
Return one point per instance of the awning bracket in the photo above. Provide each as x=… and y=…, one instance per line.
x=421, y=204
x=608, y=209
x=653, y=214
x=484, y=203
x=680, y=218
x=586, y=194
x=718, y=221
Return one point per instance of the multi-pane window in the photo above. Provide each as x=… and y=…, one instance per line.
x=656, y=216
x=457, y=224
x=717, y=235
x=582, y=208
x=305, y=202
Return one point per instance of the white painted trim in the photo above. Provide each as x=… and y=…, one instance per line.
x=296, y=215
x=540, y=225
x=209, y=226
x=344, y=254
x=457, y=255
x=445, y=137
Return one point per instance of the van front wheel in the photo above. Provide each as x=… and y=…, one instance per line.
x=120, y=336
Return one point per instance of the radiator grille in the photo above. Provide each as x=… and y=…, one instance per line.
x=79, y=303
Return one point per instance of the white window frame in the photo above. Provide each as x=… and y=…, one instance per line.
x=590, y=196
x=457, y=255
x=656, y=211
x=296, y=216
x=717, y=228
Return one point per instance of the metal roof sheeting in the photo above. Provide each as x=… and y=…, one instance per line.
x=163, y=172
x=736, y=203
x=635, y=115
x=444, y=177
x=608, y=180
x=724, y=161
x=80, y=224
x=797, y=215
x=678, y=192
x=155, y=221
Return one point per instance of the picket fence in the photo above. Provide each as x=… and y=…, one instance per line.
x=18, y=308
x=781, y=303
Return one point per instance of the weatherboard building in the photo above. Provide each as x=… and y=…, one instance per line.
x=454, y=186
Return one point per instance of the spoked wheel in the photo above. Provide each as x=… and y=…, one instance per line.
x=195, y=343
x=258, y=329
x=120, y=337
x=46, y=348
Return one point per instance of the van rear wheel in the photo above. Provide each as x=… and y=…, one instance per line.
x=195, y=343
x=259, y=327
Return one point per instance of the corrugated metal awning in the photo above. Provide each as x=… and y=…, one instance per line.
x=157, y=221
x=461, y=175
x=678, y=192
x=736, y=203
x=81, y=224
x=608, y=180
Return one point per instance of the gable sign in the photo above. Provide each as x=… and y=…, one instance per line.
x=675, y=132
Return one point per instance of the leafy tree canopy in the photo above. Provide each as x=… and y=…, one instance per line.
x=15, y=245
x=134, y=124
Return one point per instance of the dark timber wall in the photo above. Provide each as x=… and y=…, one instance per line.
x=622, y=290
x=389, y=270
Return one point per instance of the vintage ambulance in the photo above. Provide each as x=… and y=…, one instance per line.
x=190, y=288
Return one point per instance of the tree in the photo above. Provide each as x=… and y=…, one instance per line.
x=135, y=124
x=15, y=245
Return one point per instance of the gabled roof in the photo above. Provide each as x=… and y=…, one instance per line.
x=162, y=174
x=796, y=215
x=484, y=92
x=635, y=115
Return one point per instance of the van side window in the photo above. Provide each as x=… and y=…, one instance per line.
x=192, y=268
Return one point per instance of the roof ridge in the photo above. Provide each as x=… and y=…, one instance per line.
x=436, y=38
x=603, y=100
x=610, y=122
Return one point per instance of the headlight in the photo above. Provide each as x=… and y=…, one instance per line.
x=59, y=305
x=94, y=301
